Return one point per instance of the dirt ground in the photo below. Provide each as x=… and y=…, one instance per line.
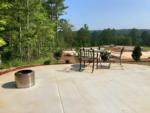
x=127, y=55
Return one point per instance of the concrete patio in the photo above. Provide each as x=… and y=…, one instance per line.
x=62, y=89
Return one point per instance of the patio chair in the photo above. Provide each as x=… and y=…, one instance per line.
x=86, y=56
x=117, y=56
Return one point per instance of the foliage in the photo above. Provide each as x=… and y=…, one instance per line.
x=146, y=48
x=18, y=62
x=57, y=53
x=134, y=36
x=29, y=32
x=145, y=38
x=4, y=6
x=65, y=34
x=83, y=36
x=12, y=63
x=55, y=8
x=30, y=28
x=109, y=36
x=47, y=62
x=116, y=37
x=105, y=56
x=136, y=54
x=2, y=42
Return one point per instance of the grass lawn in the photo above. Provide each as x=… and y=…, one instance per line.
x=17, y=62
x=146, y=48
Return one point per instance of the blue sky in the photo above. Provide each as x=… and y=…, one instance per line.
x=100, y=14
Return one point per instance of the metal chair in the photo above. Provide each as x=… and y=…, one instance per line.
x=86, y=56
x=118, y=56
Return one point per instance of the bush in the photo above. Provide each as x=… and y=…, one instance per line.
x=6, y=55
x=2, y=66
x=136, y=54
x=13, y=63
x=105, y=56
x=57, y=53
x=47, y=62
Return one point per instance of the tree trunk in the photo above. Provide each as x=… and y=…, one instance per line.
x=20, y=42
x=28, y=14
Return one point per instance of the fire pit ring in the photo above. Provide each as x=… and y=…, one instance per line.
x=25, y=78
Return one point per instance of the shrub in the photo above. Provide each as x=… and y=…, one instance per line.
x=136, y=54
x=2, y=66
x=105, y=56
x=47, y=62
x=77, y=49
x=57, y=53
x=6, y=55
x=13, y=63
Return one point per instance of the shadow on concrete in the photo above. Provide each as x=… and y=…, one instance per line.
x=76, y=67
x=9, y=85
x=106, y=66
x=66, y=70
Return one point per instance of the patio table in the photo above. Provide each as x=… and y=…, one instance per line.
x=98, y=53
x=91, y=55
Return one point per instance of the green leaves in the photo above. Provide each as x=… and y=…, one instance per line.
x=2, y=42
x=29, y=30
x=84, y=36
x=30, y=26
x=3, y=18
x=5, y=5
x=3, y=22
x=137, y=53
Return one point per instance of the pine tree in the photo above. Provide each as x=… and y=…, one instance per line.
x=136, y=54
x=55, y=9
x=30, y=31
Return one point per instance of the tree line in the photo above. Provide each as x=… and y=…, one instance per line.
x=85, y=37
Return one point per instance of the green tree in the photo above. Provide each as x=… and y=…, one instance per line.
x=30, y=31
x=4, y=6
x=136, y=54
x=55, y=9
x=107, y=36
x=95, y=40
x=145, y=37
x=83, y=36
x=66, y=34
x=134, y=36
